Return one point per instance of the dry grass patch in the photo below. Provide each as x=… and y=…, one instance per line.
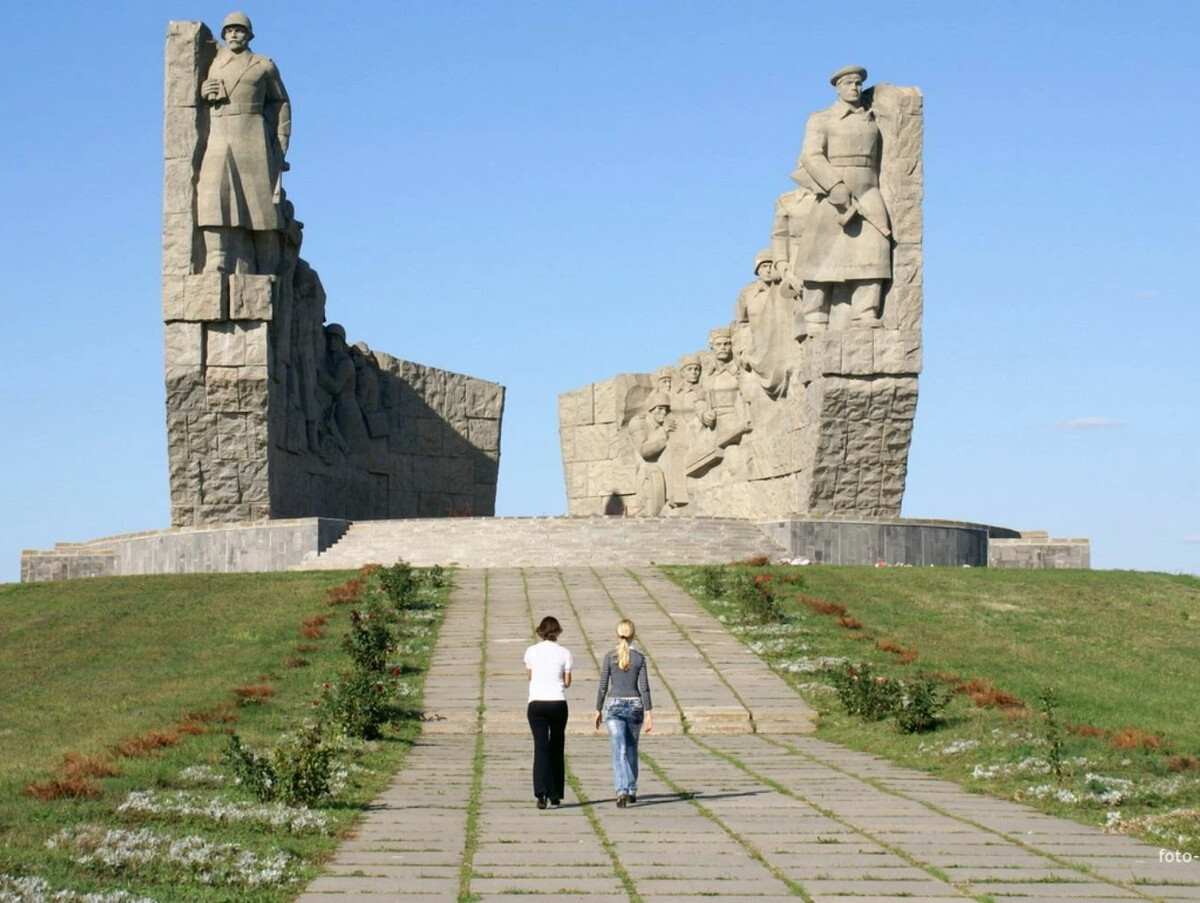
x=253, y=694
x=313, y=628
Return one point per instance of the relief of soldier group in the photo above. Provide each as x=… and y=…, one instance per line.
x=339, y=391
x=827, y=268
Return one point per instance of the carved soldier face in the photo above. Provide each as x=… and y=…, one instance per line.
x=236, y=38
x=849, y=89
x=659, y=414
x=691, y=373
x=765, y=271
x=722, y=347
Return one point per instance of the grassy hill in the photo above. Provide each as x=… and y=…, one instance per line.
x=119, y=697
x=1116, y=744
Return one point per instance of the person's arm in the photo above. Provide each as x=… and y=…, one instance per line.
x=605, y=676
x=566, y=679
x=529, y=674
x=643, y=685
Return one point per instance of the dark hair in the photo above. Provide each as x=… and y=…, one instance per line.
x=549, y=629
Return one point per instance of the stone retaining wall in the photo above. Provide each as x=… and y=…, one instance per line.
x=264, y=546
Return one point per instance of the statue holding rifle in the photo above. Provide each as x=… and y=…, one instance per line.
x=845, y=252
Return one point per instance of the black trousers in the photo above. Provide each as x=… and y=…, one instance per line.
x=548, y=722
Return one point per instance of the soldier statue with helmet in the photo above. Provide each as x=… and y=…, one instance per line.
x=239, y=194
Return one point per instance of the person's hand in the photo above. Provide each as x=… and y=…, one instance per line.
x=211, y=88
x=708, y=418
x=597, y=720
x=839, y=195
x=649, y=723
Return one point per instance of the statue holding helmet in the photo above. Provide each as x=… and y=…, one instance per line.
x=239, y=194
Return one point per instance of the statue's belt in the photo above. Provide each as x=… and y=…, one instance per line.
x=852, y=160
x=238, y=109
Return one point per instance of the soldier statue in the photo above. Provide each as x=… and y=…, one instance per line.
x=845, y=245
x=238, y=192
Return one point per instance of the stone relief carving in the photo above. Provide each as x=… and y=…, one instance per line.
x=250, y=124
x=805, y=401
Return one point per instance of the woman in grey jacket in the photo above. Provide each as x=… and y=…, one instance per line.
x=623, y=679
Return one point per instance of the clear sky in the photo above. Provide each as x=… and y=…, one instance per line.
x=547, y=194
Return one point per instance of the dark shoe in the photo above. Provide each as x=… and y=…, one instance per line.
x=541, y=801
x=622, y=799
x=555, y=803
x=633, y=797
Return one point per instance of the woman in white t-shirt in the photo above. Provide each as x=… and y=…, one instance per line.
x=548, y=668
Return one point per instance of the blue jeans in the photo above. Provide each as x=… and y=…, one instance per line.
x=624, y=718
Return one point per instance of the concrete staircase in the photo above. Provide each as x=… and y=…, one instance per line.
x=479, y=542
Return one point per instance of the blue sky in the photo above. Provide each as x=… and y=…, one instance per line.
x=548, y=194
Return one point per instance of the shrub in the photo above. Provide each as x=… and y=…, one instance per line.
x=921, y=707
x=863, y=694
x=756, y=597
x=399, y=583
x=436, y=576
x=359, y=704
x=712, y=581
x=917, y=706
x=296, y=770
x=1054, y=742
x=370, y=639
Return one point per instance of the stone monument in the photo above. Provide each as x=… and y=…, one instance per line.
x=270, y=412
x=804, y=403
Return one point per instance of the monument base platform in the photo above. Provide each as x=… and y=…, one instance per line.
x=273, y=545
x=920, y=542
x=328, y=543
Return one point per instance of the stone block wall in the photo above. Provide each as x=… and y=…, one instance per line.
x=274, y=545
x=1035, y=550
x=270, y=414
x=830, y=439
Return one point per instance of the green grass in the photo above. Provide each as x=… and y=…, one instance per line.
x=90, y=663
x=1121, y=651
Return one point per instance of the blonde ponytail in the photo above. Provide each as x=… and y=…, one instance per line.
x=625, y=635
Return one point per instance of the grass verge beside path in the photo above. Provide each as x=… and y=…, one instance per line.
x=1120, y=650
x=121, y=693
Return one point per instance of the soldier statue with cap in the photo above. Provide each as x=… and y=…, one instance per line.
x=845, y=250
x=239, y=192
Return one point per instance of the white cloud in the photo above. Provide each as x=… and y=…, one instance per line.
x=1193, y=538
x=1145, y=294
x=1085, y=423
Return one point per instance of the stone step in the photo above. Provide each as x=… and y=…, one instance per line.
x=482, y=542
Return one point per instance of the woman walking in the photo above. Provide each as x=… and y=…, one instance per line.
x=548, y=669
x=623, y=679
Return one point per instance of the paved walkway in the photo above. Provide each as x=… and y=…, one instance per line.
x=744, y=805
